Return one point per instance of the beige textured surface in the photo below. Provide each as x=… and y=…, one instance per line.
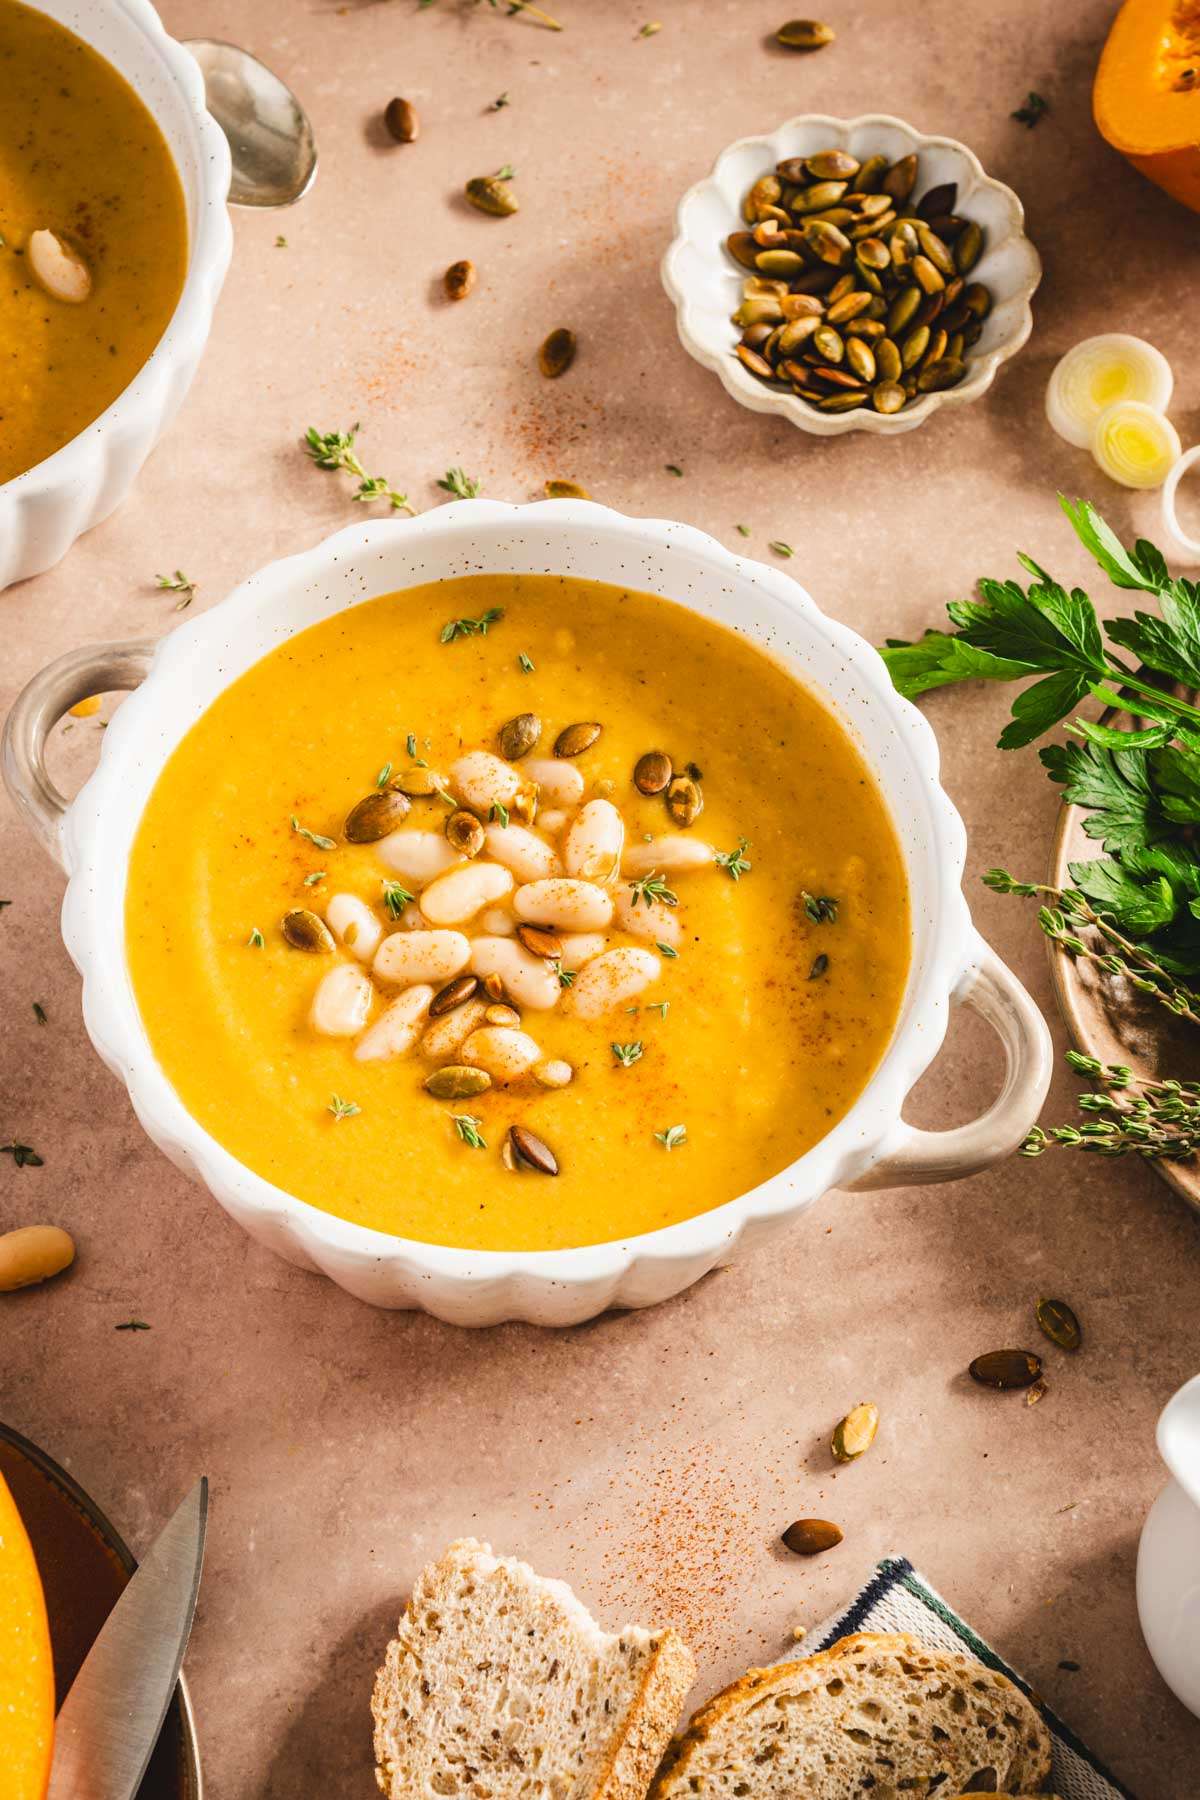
x=652, y=1460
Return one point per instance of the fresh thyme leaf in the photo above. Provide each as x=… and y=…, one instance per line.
x=24, y=1155
x=734, y=862
x=661, y=1007
x=39, y=1012
x=667, y=951
x=314, y=837
x=511, y=7
x=411, y=744
x=381, y=780
x=318, y=875
x=499, y=103
x=820, y=964
x=395, y=898
x=498, y=813
x=650, y=30
x=628, y=1054
x=507, y=173
x=463, y=486
x=742, y=530
x=456, y=628
x=566, y=977
x=672, y=1137
x=526, y=662
x=342, y=1109
x=1034, y=109
x=281, y=242
x=780, y=548
x=132, y=1325
x=334, y=450
x=468, y=1129
x=673, y=469
x=256, y=940
x=652, y=887
x=178, y=583
x=822, y=909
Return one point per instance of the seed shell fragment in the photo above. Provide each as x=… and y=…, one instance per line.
x=854, y=1435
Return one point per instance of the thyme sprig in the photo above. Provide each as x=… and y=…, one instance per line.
x=468, y=1129
x=1128, y=1116
x=734, y=862
x=651, y=887
x=628, y=1054
x=180, y=584
x=334, y=450
x=462, y=628
x=510, y=7
x=461, y=485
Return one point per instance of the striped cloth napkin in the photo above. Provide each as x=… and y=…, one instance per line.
x=897, y=1598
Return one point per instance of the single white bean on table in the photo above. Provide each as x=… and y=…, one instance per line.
x=529, y=856
x=593, y=842
x=573, y=905
x=453, y=899
x=673, y=854
x=611, y=980
x=408, y=956
x=397, y=1028
x=354, y=924
x=529, y=980
x=342, y=1002
x=504, y=1052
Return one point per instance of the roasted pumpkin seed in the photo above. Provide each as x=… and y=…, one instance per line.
x=967, y=247
x=565, y=490
x=756, y=363
x=1059, y=1324
x=827, y=243
x=684, y=800
x=902, y=309
x=818, y=198
x=914, y=347
x=465, y=833
x=519, y=735
x=400, y=117
x=573, y=740
x=304, y=931
x=828, y=344
x=937, y=252
x=805, y=34
x=888, y=397
x=743, y=249
x=539, y=940
x=847, y=307
x=861, y=358
x=855, y=1434
x=931, y=280
x=557, y=353
x=457, y=1081
x=900, y=179
x=938, y=375
x=530, y=1152
x=374, y=816
x=1006, y=1369
x=937, y=200
x=887, y=359
x=492, y=194
x=456, y=993
x=652, y=772
x=843, y=401
x=459, y=279
x=808, y=1537
x=779, y=262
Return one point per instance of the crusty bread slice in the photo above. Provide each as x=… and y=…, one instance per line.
x=500, y=1684
x=875, y=1716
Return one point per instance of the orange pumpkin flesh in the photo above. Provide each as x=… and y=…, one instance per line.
x=26, y=1664
x=1146, y=97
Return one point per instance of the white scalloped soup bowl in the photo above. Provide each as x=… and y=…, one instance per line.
x=44, y=510
x=182, y=675
x=706, y=284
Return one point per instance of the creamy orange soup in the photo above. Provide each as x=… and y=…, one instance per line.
x=689, y=999
x=81, y=160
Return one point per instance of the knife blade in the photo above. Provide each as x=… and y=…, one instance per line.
x=109, y=1723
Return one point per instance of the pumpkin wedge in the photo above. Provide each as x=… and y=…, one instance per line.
x=1146, y=97
x=26, y=1664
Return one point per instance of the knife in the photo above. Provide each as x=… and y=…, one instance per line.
x=109, y=1723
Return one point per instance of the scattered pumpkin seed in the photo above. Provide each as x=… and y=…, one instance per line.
x=557, y=353
x=492, y=194
x=465, y=833
x=1037, y=1392
x=529, y=1152
x=493, y=987
x=1059, y=1324
x=456, y=993
x=459, y=279
x=573, y=740
x=304, y=931
x=855, y=1434
x=684, y=800
x=1006, y=1369
x=539, y=940
x=808, y=1537
x=400, y=117
x=457, y=1081
x=805, y=35
x=566, y=490
x=652, y=772
x=375, y=816
x=519, y=735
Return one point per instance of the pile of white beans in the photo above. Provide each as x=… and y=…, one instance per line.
x=571, y=871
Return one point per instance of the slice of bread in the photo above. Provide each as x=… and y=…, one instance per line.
x=876, y=1717
x=499, y=1684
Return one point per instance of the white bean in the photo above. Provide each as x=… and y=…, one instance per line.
x=554, y=1074
x=482, y=780
x=673, y=854
x=611, y=980
x=575, y=905
x=447, y=1035
x=354, y=924
x=57, y=268
x=342, y=1001
x=455, y=898
x=653, y=919
x=412, y=918
x=579, y=947
x=552, y=820
x=529, y=856
x=592, y=847
x=560, y=782
x=408, y=956
x=397, y=1028
x=417, y=857
x=505, y=1053
x=497, y=921
x=529, y=980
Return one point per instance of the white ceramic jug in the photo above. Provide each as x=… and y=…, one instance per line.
x=1168, y=1569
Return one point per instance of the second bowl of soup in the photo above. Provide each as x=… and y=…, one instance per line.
x=511, y=911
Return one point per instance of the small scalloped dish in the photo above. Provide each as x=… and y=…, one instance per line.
x=706, y=284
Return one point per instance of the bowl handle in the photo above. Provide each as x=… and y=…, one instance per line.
x=96, y=669
x=912, y=1157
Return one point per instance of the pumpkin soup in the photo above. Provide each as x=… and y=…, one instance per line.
x=517, y=912
x=93, y=236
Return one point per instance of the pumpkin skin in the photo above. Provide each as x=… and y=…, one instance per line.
x=26, y=1663
x=1146, y=97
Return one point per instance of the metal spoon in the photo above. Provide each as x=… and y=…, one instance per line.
x=274, y=152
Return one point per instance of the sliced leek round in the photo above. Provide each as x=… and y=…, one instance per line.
x=1170, y=504
x=1096, y=374
x=1135, y=445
